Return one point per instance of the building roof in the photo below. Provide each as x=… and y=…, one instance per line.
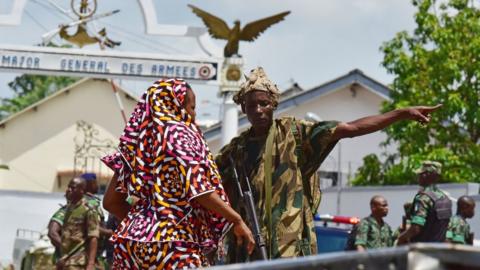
x=58, y=93
x=355, y=76
x=294, y=89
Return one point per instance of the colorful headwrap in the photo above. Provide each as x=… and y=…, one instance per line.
x=163, y=159
x=257, y=81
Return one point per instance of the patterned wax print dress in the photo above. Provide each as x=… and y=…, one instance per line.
x=163, y=159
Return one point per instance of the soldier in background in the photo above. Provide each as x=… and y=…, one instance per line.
x=280, y=156
x=431, y=208
x=373, y=231
x=80, y=230
x=95, y=202
x=91, y=191
x=458, y=228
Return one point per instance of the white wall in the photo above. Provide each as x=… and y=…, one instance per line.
x=355, y=201
x=39, y=142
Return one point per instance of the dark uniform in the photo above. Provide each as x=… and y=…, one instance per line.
x=431, y=208
x=458, y=230
x=81, y=222
x=371, y=234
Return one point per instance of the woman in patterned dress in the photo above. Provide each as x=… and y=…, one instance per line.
x=162, y=159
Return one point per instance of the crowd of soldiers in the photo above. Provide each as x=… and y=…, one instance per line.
x=78, y=230
x=427, y=219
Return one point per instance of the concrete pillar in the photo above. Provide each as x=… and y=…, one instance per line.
x=230, y=82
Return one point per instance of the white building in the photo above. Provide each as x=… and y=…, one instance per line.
x=45, y=143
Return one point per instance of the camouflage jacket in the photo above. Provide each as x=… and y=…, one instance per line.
x=299, y=149
x=370, y=234
x=96, y=203
x=431, y=214
x=81, y=222
x=59, y=215
x=422, y=205
x=458, y=230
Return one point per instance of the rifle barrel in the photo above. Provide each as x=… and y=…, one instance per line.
x=248, y=202
x=248, y=198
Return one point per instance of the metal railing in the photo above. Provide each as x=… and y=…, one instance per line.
x=420, y=256
x=28, y=234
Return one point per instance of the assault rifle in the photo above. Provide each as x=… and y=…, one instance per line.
x=247, y=198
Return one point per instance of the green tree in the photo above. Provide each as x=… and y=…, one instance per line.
x=29, y=89
x=438, y=63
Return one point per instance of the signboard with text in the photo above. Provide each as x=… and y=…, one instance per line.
x=106, y=64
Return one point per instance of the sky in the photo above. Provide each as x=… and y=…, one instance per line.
x=319, y=41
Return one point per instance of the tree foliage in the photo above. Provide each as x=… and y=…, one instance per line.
x=438, y=63
x=29, y=89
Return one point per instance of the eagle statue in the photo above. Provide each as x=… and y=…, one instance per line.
x=219, y=29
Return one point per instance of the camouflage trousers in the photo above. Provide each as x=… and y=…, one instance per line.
x=74, y=267
x=82, y=267
x=99, y=265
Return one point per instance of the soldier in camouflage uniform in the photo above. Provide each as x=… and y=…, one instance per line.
x=280, y=157
x=91, y=190
x=95, y=202
x=431, y=208
x=373, y=231
x=80, y=231
x=458, y=231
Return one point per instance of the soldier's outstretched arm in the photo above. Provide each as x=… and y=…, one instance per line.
x=374, y=123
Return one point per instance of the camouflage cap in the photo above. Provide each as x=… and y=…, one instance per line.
x=429, y=166
x=257, y=81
